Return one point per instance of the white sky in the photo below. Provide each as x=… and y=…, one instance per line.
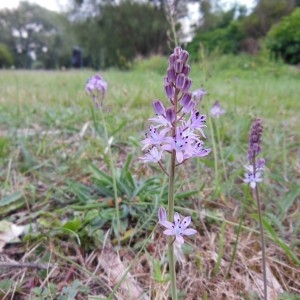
x=59, y=5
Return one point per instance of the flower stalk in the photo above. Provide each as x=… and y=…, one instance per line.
x=96, y=87
x=176, y=131
x=253, y=177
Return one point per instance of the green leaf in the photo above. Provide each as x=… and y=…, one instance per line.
x=73, y=225
x=11, y=198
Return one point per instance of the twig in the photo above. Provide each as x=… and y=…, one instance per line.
x=13, y=264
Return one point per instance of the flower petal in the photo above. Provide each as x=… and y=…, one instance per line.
x=166, y=224
x=179, y=239
x=189, y=231
x=176, y=219
x=185, y=222
x=169, y=232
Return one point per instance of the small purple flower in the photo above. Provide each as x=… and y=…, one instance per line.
x=178, y=228
x=253, y=177
x=197, y=95
x=152, y=155
x=154, y=137
x=216, y=111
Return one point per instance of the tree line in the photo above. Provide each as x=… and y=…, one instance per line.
x=110, y=34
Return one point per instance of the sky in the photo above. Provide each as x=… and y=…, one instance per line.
x=60, y=5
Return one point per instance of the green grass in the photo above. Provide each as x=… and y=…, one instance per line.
x=57, y=182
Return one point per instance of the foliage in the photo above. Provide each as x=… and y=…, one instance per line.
x=234, y=31
x=6, y=57
x=115, y=36
x=221, y=40
x=37, y=35
x=264, y=15
x=283, y=39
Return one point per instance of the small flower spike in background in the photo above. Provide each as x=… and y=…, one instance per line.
x=178, y=131
x=216, y=111
x=253, y=177
x=96, y=87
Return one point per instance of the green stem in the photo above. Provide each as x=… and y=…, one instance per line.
x=262, y=240
x=239, y=229
x=170, y=218
x=113, y=175
x=221, y=150
x=215, y=150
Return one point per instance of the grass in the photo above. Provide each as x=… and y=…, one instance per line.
x=55, y=180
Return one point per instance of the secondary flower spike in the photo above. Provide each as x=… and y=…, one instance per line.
x=178, y=126
x=178, y=228
x=216, y=111
x=255, y=167
x=96, y=87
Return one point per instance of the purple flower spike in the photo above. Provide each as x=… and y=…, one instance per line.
x=158, y=107
x=96, y=85
x=179, y=128
x=255, y=139
x=178, y=228
x=216, y=111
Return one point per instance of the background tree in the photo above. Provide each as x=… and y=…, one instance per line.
x=37, y=36
x=284, y=38
x=119, y=33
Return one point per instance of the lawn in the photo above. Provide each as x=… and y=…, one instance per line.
x=59, y=178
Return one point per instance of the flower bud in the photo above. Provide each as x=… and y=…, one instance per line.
x=187, y=103
x=171, y=75
x=260, y=163
x=172, y=59
x=170, y=114
x=184, y=56
x=177, y=51
x=158, y=107
x=187, y=84
x=162, y=214
x=180, y=81
x=178, y=65
x=169, y=90
x=186, y=70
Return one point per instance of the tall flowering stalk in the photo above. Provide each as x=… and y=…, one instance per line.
x=176, y=130
x=253, y=176
x=96, y=88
